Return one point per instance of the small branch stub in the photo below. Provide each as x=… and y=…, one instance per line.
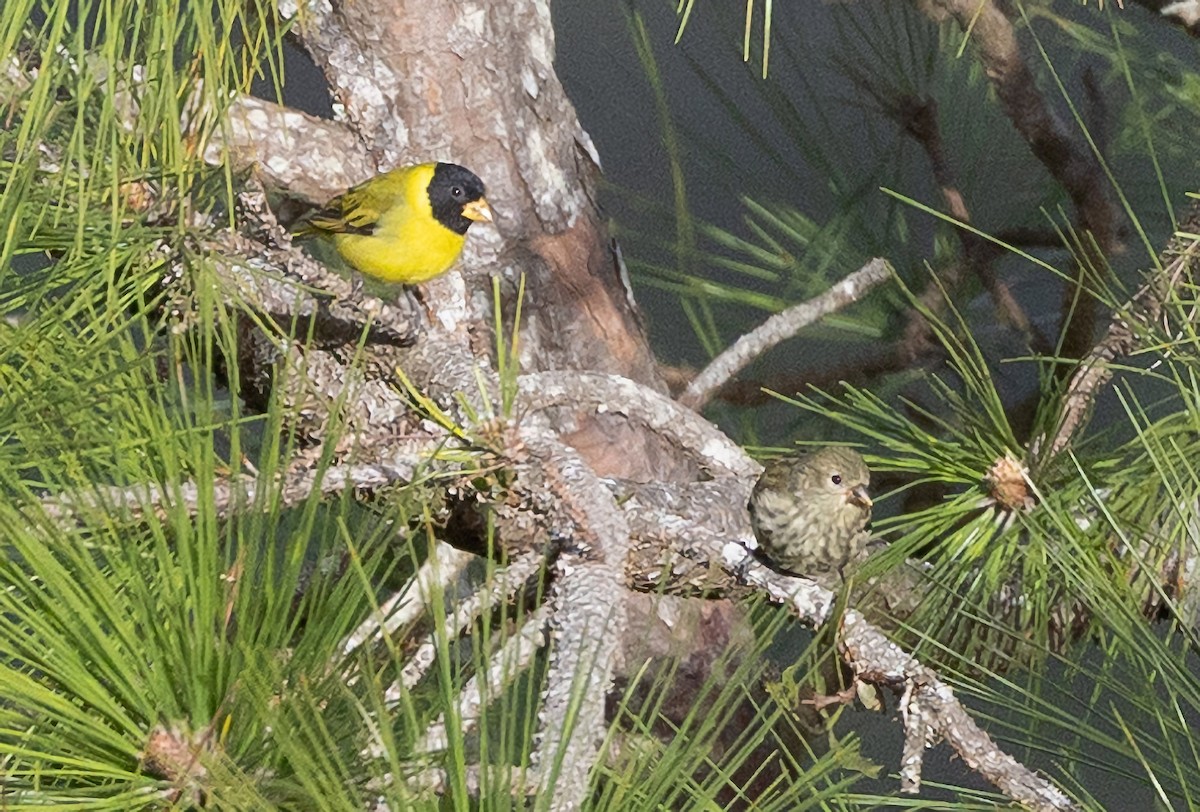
x=174, y=755
x=1007, y=483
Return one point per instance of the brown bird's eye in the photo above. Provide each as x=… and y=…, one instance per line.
x=837, y=479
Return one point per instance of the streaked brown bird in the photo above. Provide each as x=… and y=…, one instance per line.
x=810, y=511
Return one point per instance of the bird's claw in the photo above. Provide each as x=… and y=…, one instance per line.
x=820, y=702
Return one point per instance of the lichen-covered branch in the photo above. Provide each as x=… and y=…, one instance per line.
x=268, y=272
x=237, y=493
x=671, y=526
x=589, y=625
x=289, y=149
x=646, y=408
x=444, y=565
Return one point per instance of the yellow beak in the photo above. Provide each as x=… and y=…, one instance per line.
x=858, y=496
x=478, y=210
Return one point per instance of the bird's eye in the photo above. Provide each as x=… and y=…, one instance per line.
x=837, y=479
x=456, y=191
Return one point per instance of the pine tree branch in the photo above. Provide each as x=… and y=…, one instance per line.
x=781, y=327
x=593, y=539
x=932, y=711
x=1066, y=158
x=645, y=408
x=237, y=493
x=504, y=584
x=289, y=149
x=1128, y=327
x=442, y=568
x=272, y=274
x=505, y=666
x=919, y=118
x=587, y=622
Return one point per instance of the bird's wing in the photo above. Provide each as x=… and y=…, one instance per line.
x=354, y=212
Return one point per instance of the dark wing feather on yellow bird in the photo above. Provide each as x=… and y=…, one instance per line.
x=404, y=226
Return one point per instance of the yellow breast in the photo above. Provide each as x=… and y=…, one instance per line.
x=408, y=252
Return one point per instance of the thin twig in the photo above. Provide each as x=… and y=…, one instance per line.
x=919, y=117
x=1129, y=324
x=780, y=327
x=513, y=658
x=443, y=566
x=915, y=348
x=506, y=583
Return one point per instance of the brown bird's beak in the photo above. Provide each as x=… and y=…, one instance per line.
x=858, y=496
x=479, y=211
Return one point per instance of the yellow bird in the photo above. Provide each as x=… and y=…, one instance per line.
x=408, y=225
